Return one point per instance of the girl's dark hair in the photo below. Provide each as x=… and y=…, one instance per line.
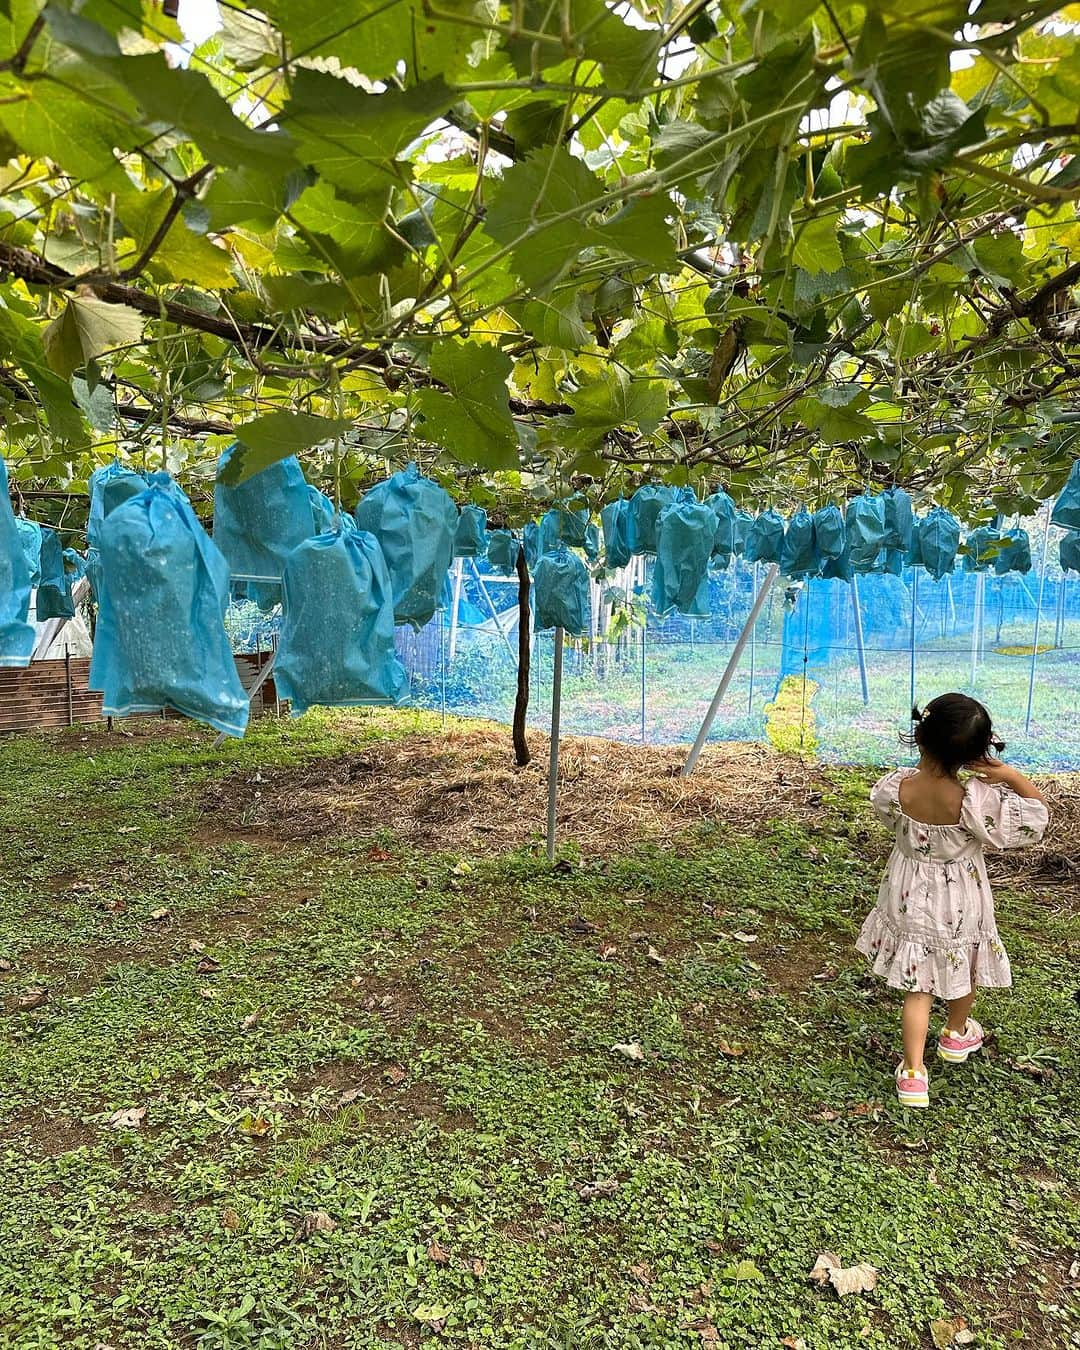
x=953, y=730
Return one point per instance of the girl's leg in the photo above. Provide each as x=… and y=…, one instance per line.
x=916, y=1023
x=959, y=1012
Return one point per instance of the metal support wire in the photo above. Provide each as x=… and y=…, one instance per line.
x=1038, y=623
x=553, y=760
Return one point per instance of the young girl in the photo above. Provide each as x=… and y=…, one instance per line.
x=932, y=932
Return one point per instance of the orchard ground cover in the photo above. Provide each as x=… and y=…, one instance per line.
x=299, y=1054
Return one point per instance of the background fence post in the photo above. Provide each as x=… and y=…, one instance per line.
x=553, y=760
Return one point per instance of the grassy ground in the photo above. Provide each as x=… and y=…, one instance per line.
x=382, y=1105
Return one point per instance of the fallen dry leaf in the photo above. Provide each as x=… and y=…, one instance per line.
x=735, y=1051
x=317, y=1221
x=873, y=1109
x=631, y=1049
x=249, y=1021
x=793, y=1343
x=654, y=956
x=438, y=1253
x=858, y=1279
x=230, y=1220
x=477, y=1266
x=196, y=946
x=607, y=952
x=5, y=965
x=643, y=1273
x=129, y=1118
x=581, y=925
x=160, y=913
x=207, y=966
x=826, y=1113
x=256, y=1126
x=708, y=1333
x=1074, y=1270
x=1042, y=1072
x=33, y=998
x=379, y=855
x=206, y=992
x=395, y=1075
x=947, y=1331
x=117, y=906
x=712, y=1245
x=745, y=937
x=350, y=1095
x=607, y=1187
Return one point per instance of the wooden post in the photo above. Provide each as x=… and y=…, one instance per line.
x=521, y=700
x=67, y=684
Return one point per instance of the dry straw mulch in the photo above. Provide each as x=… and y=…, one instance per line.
x=462, y=792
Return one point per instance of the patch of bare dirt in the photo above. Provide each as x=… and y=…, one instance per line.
x=462, y=792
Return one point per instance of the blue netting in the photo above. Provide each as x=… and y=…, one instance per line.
x=337, y=636
x=160, y=640
x=16, y=633
x=414, y=520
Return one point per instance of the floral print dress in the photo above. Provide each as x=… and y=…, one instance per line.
x=932, y=929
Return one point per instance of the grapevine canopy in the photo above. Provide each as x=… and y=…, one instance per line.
x=786, y=246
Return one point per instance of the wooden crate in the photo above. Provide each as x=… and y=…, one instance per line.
x=55, y=694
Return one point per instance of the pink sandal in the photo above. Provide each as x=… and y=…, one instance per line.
x=912, y=1086
x=956, y=1048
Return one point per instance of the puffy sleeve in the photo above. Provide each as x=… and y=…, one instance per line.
x=885, y=797
x=999, y=818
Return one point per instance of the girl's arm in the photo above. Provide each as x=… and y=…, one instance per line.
x=994, y=771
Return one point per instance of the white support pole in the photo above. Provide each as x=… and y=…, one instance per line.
x=494, y=612
x=976, y=625
x=730, y=668
x=856, y=609
x=1060, y=622
x=455, y=604
x=1038, y=622
x=753, y=646
x=553, y=760
x=264, y=674
x=914, y=612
